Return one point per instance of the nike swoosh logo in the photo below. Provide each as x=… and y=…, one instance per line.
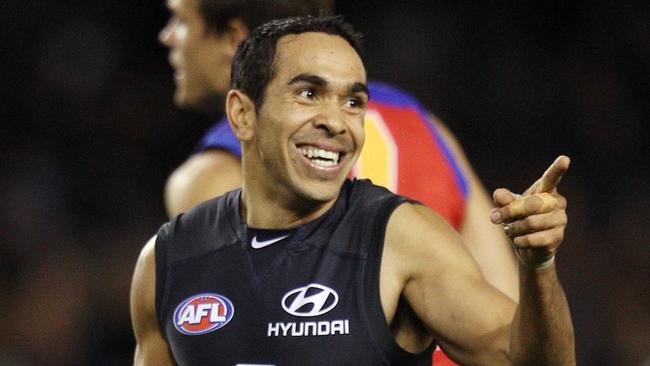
x=265, y=243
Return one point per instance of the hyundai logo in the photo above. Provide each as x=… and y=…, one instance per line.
x=311, y=300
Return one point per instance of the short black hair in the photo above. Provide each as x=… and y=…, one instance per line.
x=253, y=65
x=253, y=13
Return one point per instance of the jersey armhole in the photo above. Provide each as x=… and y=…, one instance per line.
x=161, y=275
x=377, y=320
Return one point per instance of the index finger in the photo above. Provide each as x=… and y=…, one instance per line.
x=534, y=204
x=531, y=205
x=553, y=175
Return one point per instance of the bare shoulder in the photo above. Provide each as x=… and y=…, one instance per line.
x=151, y=347
x=202, y=176
x=143, y=286
x=419, y=236
x=422, y=249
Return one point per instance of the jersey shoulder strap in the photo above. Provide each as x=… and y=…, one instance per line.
x=204, y=229
x=367, y=210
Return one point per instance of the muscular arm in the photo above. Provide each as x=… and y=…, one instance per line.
x=151, y=347
x=535, y=224
x=542, y=321
x=485, y=241
x=445, y=289
x=203, y=176
x=474, y=323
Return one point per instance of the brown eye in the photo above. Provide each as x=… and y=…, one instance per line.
x=355, y=103
x=307, y=93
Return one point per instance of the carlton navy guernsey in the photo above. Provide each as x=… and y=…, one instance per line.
x=317, y=303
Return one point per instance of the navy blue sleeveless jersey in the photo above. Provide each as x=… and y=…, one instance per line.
x=317, y=303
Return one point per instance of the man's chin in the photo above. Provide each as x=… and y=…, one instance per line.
x=322, y=192
x=181, y=102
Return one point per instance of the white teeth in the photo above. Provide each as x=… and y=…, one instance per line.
x=323, y=163
x=312, y=152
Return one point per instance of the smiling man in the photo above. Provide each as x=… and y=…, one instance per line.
x=339, y=274
x=202, y=36
x=294, y=150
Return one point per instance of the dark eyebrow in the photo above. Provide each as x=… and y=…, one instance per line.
x=311, y=79
x=319, y=81
x=359, y=88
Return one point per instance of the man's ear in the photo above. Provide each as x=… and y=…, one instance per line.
x=241, y=114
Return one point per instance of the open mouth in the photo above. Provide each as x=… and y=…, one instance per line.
x=321, y=158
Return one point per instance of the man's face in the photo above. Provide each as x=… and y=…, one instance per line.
x=309, y=129
x=200, y=58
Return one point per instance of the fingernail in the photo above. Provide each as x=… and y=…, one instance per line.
x=495, y=216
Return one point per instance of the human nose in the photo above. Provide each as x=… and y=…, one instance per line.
x=166, y=33
x=332, y=119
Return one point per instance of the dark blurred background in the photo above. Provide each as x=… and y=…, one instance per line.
x=89, y=135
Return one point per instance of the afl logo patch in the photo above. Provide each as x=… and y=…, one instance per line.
x=203, y=313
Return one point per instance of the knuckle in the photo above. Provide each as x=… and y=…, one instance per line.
x=527, y=223
x=559, y=235
x=539, y=240
x=506, y=213
x=561, y=201
x=521, y=242
x=533, y=204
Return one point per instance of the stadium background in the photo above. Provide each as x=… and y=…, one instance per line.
x=89, y=134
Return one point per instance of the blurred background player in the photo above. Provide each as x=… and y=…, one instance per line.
x=406, y=150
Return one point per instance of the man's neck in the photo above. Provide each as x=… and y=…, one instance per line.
x=263, y=211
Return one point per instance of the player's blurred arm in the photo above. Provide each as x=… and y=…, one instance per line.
x=486, y=242
x=202, y=176
x=151, y=347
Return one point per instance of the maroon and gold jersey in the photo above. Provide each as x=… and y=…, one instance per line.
x=405, y=153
